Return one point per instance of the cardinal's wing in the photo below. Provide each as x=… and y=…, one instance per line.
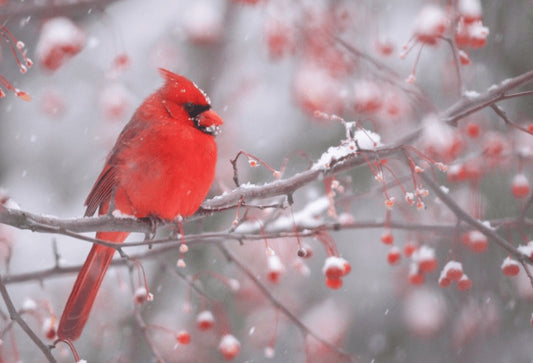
x=107, y=181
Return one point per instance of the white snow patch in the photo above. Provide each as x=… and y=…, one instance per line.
x=470, y=9
x=451, y=265
x=118, y=214
x=526, y=250
x=424, y=253
x=275, y=265
x=471, y=94
x=431, y=21
x=364, y=139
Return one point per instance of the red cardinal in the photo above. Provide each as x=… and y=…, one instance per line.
x=162, y=166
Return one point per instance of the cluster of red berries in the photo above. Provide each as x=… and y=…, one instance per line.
x=335, y=268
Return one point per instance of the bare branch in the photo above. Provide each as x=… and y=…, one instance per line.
x=14, y=315
x=279, y=305
x=468, y=105
x=14, y=10
x=467, y=218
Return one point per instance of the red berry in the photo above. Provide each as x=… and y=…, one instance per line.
x=393, y=257
x=183, y=337
x=510, y=267
x=425, y=259
x=141, y=295
x=477, y=241
x=428, y=265
x=409, y=249
x=453, y=271
x=387, y=238
x=464, y=283
x=465, y=61
x=368, y=97
x=431, y=22
x=473, y=130
x=275, y=268
x=384, y=47
x=334, y=283
x=520, y=186
x=347, y=268
x=444, y=281
x=470, y=10
x=478, y=34
x=49, y=327
x=229, y=347
x=205, y=320
x=59, y=41
x=415, y=277
x=336, y=267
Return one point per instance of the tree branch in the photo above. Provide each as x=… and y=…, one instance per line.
x=468, y=105
x=15, y=10
x=14, y=315
x=277, y=304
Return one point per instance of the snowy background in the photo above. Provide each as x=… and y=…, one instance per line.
x=53, y=148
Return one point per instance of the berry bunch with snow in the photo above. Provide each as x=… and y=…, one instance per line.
x=59, y=41
x=335, y=268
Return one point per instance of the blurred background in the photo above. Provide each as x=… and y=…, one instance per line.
x=267, y=66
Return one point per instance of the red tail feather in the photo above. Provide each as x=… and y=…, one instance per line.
x=86, y=287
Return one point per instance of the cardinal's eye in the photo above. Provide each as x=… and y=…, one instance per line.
x=194, y=109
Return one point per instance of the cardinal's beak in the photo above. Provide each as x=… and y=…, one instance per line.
x=210, y=121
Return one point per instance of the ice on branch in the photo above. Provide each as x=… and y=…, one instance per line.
x=29, y=305
x=526, y=250
x=471, y=94
x=362, y=139
x=117, y=213
x=309, y=216
x=7, y=201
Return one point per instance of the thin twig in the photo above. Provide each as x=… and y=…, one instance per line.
x=14, y=9
x=468, y=105
x=279, y=305
x=500, y=112
x=467, y=218
x=14, y=315
x=144, y=328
